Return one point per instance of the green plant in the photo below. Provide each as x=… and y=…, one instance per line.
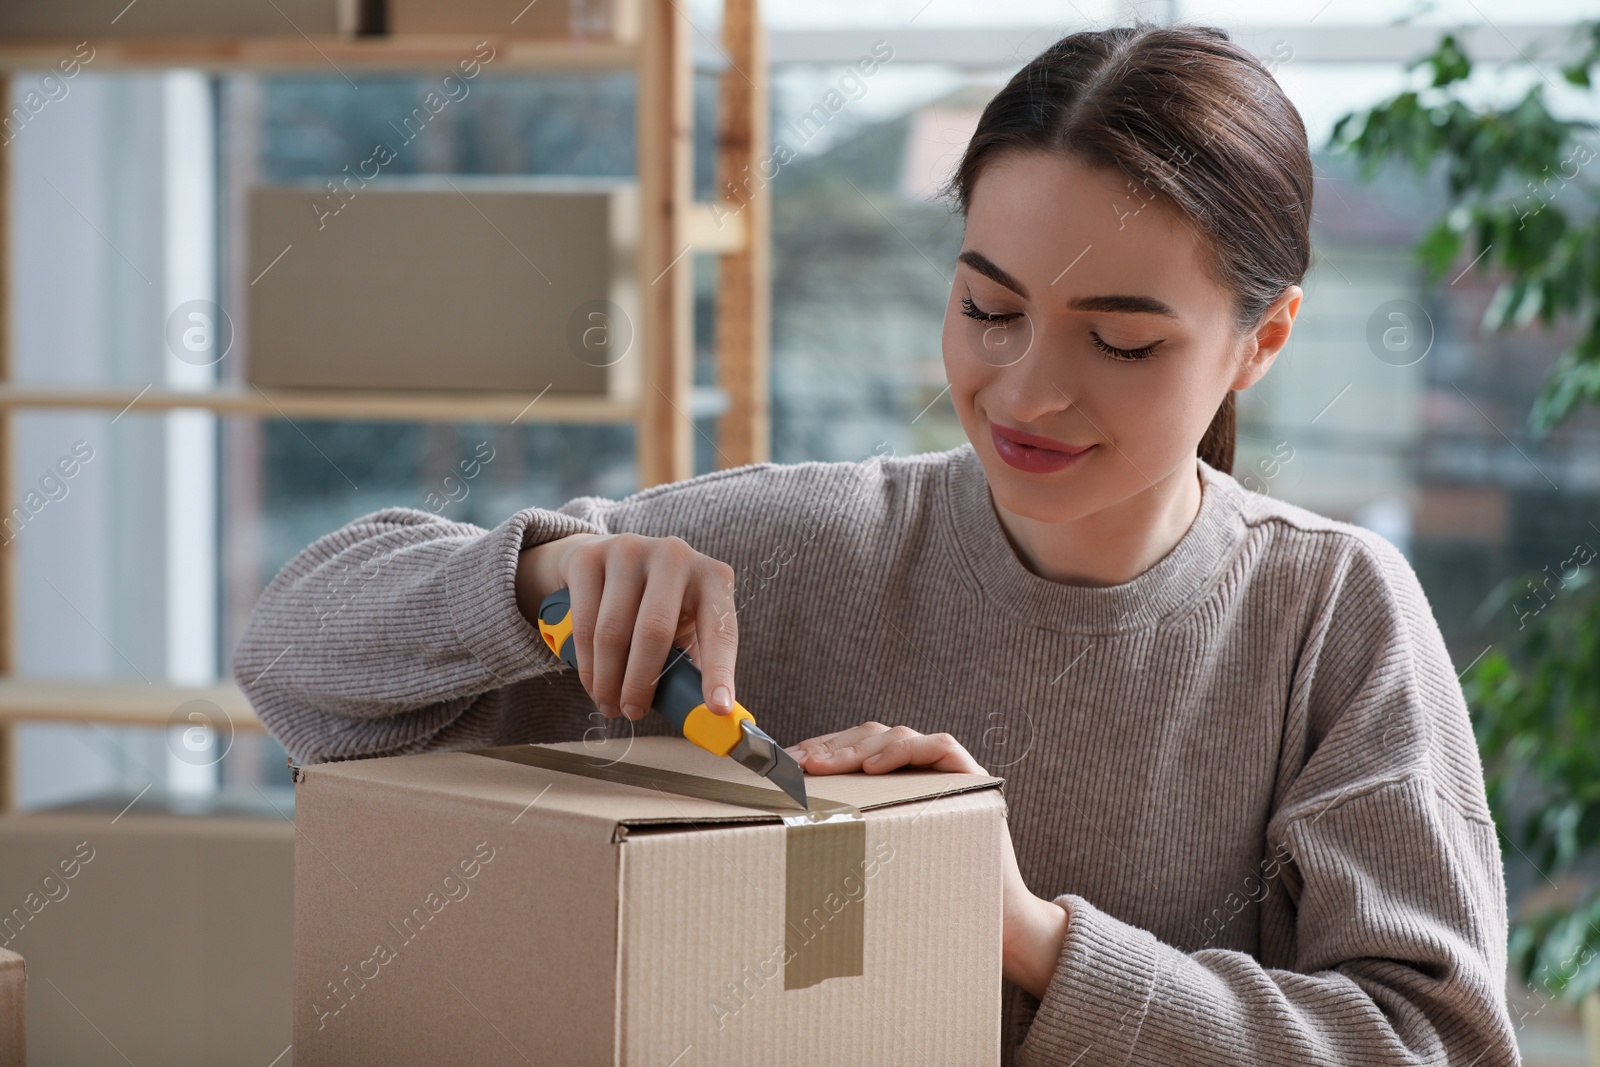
x=1503, y=168
x=1536, y=707
x=1537, y=719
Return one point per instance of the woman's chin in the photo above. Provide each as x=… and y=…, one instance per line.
x=1020, y=495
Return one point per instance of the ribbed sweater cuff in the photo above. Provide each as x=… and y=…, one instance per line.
x=1095, y=1005
x=481, y=593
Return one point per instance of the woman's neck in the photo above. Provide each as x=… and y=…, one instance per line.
x=1113, y=545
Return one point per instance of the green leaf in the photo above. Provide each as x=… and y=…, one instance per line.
x=1449, y=62
x=1439, y=247
x=1575, y=381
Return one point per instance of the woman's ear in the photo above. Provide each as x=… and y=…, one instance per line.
x=1268, y=338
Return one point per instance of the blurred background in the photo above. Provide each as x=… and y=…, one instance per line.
x=1438, y=388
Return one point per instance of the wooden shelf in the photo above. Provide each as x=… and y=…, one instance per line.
x=335, y=55
x=671, y=224
x=328, y=404
x=120, y=703
x=356, y=405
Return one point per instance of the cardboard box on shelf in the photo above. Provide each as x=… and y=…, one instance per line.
x=639, y=901
x=13, y=1010
x=98, y=20
x=462, y=284
x=593, y=20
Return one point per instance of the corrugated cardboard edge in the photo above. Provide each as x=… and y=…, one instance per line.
x=618, y=958
x=13, y=1009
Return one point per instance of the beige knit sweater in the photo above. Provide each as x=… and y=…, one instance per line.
x=1248, y=773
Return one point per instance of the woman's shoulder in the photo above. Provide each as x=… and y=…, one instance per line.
x=1310, y=541
x=1377, y=698
x=1350, y=591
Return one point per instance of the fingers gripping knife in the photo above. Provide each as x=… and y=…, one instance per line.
x=678, y=698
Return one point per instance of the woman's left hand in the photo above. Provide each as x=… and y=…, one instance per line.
x=1034, y=927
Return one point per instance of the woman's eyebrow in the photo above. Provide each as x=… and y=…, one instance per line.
x=1137, y=305
x=986, y=267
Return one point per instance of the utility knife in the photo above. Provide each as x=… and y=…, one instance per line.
x=678, y=698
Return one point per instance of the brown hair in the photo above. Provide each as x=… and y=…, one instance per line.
x=1192, y=117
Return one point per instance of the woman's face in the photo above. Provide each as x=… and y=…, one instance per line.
x=1082, y=318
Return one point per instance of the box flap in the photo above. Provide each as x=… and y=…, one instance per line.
x=492, y=777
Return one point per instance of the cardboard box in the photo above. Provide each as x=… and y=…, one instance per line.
x=641, y=902
x=170, y=932
x=481, y=285
x=13, y=1010
x=595, y=20
x=97, y=20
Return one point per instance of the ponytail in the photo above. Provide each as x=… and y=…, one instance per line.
x=1216, y=447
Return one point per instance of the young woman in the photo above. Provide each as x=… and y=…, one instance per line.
x=1246, y=807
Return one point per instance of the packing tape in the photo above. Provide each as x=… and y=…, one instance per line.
x=825, y=853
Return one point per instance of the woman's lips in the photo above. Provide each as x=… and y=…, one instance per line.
x=1032, y=453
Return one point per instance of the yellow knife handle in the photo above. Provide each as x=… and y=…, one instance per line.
x=678, y=694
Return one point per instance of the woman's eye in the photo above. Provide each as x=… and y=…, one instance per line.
x=1131, y=354
x=972, y=311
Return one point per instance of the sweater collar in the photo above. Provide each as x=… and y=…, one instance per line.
x=1174, y=580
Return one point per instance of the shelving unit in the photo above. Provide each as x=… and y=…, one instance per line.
x=311, y=54
x=672, y=227
x=414, y=406
x=115, y=703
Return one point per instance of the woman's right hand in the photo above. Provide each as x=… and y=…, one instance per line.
x=633, y=598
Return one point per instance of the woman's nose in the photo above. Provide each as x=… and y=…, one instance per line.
x=1033, y=385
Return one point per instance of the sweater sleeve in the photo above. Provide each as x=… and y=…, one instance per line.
x=400, y=632
x=1390, y=864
